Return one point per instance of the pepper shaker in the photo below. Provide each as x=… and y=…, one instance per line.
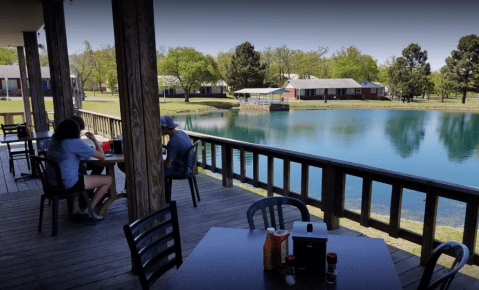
x=331, y=274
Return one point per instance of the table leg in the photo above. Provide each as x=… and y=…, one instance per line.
x=110, y=170
x=33, y=173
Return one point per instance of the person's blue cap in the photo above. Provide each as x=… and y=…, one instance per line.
x=167, y=121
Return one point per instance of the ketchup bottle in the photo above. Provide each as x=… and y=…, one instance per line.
x=268, y=250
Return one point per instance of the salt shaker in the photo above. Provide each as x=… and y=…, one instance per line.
x=331, y=274
x=289, y=278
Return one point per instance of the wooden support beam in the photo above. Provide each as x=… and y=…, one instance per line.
x=255, y=169
x=213, y=156
x=366, y=201
x=227, y=164
x=35, y=81
x=25, y=91
x=242, y=164
x=56, y=36
x=470, y=226
x=134, y=29
x=395, y=210
x=429, y=230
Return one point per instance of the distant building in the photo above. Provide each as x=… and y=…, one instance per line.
x=317, y=89
x=372, y=90
x=170, y=85
x=10, y=79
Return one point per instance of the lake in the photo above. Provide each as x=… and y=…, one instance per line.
x=437, y=145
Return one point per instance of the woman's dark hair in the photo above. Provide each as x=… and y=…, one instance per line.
x=79, y=121
x=68, y=129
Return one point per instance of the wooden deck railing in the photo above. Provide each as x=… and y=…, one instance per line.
x=333, y=177
x=8, y=116
x=106, y=125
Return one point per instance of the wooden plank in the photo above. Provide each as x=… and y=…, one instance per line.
x=366, y=201
x=395, y=210
x=429, y=230
x=470, y=227
x=35, y=81
x=227, y=165
x=242, y=164
x=286, y=176
x=55, y=31
x=270, y=174
x=304, y=181
x=255, y=169
x=213, y=156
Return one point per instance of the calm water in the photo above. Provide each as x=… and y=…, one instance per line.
x=438, y=145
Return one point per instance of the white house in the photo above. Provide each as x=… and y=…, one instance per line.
x=318, y=88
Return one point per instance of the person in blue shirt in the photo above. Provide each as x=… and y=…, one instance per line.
x=176, y=149
x=67, y=149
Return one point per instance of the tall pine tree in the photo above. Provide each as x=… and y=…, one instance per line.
x=245, y=69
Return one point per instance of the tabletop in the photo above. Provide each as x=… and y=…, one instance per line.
x=109, y=158
x=35, y=136
x=229, y=258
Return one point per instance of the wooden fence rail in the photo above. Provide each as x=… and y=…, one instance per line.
x=333, y=177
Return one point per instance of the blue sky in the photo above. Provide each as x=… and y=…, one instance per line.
x=378, y=28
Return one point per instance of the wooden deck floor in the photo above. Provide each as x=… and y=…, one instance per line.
x=97, y=257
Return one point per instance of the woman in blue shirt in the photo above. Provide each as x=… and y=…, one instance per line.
x=67, y=149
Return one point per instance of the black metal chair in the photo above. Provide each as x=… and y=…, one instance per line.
x=15, y=153
x=149, y=239
x=269, y=203
x=188, y=173
x=53, y=190
x=460, y=251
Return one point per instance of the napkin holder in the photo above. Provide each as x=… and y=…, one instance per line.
x=21, y=130
x=309, y=248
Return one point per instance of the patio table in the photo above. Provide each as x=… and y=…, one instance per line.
x=36, y=136
x=228, y=258
x=109, y=164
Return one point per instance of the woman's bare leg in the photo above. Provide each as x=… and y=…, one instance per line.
x=102, y=182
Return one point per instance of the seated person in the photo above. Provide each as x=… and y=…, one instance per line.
x=175, y=150
x=66, y=149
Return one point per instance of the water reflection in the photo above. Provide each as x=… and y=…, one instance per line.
x=406, y=130
x=460, y=134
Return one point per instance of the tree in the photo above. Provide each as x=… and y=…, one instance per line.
x=104, y=65
x=306, y=64
x=190, y=67
x=350, y=63
x=408, y=74
x=464, y=65
x=8, y=56
x=268, y=59
x=82, y=64
x=224, y=59
x=246, y=70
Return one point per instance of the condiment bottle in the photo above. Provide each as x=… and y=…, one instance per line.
x=289, y=278
x=29, y=130
x=331, y=274
x=268, y=250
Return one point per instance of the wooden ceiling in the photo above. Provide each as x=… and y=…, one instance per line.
x=16, y=17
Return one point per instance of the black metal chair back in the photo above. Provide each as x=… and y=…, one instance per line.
x=15, y=153
x=149, y=239
x=460, y=251
x=268, y=203
x=43, y=147
x=188, y=173
x=53, y=189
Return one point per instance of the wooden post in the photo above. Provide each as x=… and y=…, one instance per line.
x=470, y=226
x=286, y=176
x=25, y=92
x=134, y=29
x=242, y=164
x=395, y=211
x=429, y=230
x=304, y=182
x=56, y=36
x=270, y=174
x=35, y=81
x=332, y=195
x=213, y=156
x=366, y=201
x=80, y=92
x=255, y=169
x=227, y=164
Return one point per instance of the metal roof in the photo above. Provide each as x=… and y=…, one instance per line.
x=262, y=91
x=13, y=72
x=323, y=84
x=172, y=81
